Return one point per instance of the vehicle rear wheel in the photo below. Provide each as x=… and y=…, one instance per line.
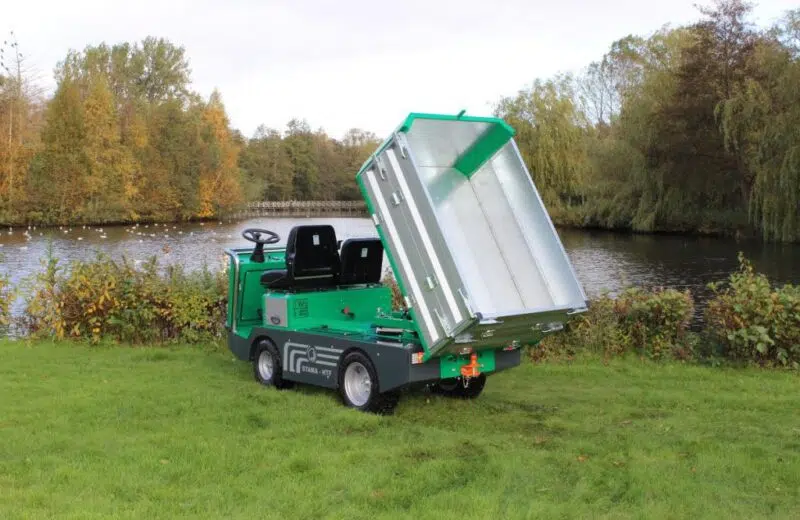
x=358, y=385
x=454, y=387
x=267, y=368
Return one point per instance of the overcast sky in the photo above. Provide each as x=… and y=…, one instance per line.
x=354, y=63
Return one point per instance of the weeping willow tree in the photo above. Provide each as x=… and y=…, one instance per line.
x=761, y=122
x=647, y=189
x=551, y=138
x=691, y=129
x=625, y=185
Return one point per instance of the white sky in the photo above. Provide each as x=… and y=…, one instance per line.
x=354, y=63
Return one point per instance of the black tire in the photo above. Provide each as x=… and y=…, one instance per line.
x=266, y=353
x=454, y=387
x=364, y=399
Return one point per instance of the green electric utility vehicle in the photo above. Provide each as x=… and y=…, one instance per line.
x=474, y=253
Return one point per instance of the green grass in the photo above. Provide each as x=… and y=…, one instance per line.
x=113, y=432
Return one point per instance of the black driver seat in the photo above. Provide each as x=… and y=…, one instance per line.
x=312, y=260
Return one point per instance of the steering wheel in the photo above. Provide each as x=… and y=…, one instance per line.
x=255, y=235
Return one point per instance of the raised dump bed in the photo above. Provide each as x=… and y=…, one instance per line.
x=470, y=241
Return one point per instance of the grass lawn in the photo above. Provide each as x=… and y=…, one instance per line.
x=115, y=432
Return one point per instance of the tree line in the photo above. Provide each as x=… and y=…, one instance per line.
x=124, y=138
x=299, y=164
x=692, y=129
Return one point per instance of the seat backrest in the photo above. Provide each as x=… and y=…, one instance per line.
x=311, y=256
x=362, y=260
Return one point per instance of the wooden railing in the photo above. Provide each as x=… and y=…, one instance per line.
x=304, y=208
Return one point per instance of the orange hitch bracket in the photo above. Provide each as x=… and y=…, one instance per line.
x=471, y=369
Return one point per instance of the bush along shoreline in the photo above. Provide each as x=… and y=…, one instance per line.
x=122, y=301
x=746, y=321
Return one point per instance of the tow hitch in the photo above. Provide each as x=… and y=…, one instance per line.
x=471, y=369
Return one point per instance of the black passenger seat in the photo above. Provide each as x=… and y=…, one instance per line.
x=362, y=260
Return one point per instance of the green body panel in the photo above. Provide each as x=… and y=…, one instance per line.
x=244, y=331
x=248, y=289
x=231, y=289
x=326, y=309
x=484, y=148
x=450, y=365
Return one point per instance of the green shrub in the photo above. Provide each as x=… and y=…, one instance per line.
x=748, y=320
x=595, y=331
x=651, y=323
x=656, y=322
x=103, y=298
x=42, y=315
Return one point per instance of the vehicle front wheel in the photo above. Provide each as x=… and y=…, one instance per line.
x=267, y=368
x=358, y=385
x=454, y=387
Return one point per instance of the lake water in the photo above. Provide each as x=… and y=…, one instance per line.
x=602, y=260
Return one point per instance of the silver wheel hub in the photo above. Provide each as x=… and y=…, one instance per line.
x=357, y=383
x=265, y=366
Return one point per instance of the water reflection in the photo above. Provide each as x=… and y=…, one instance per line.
x=605, y=260
x=602, y=260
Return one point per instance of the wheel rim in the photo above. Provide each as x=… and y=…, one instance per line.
x=265, y=367
x=357, y=383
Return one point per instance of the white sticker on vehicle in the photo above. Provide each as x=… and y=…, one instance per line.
x=301, y=358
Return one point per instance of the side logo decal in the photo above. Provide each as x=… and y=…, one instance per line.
x=301, y=358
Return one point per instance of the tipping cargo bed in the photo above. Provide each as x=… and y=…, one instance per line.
x=470, y=241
